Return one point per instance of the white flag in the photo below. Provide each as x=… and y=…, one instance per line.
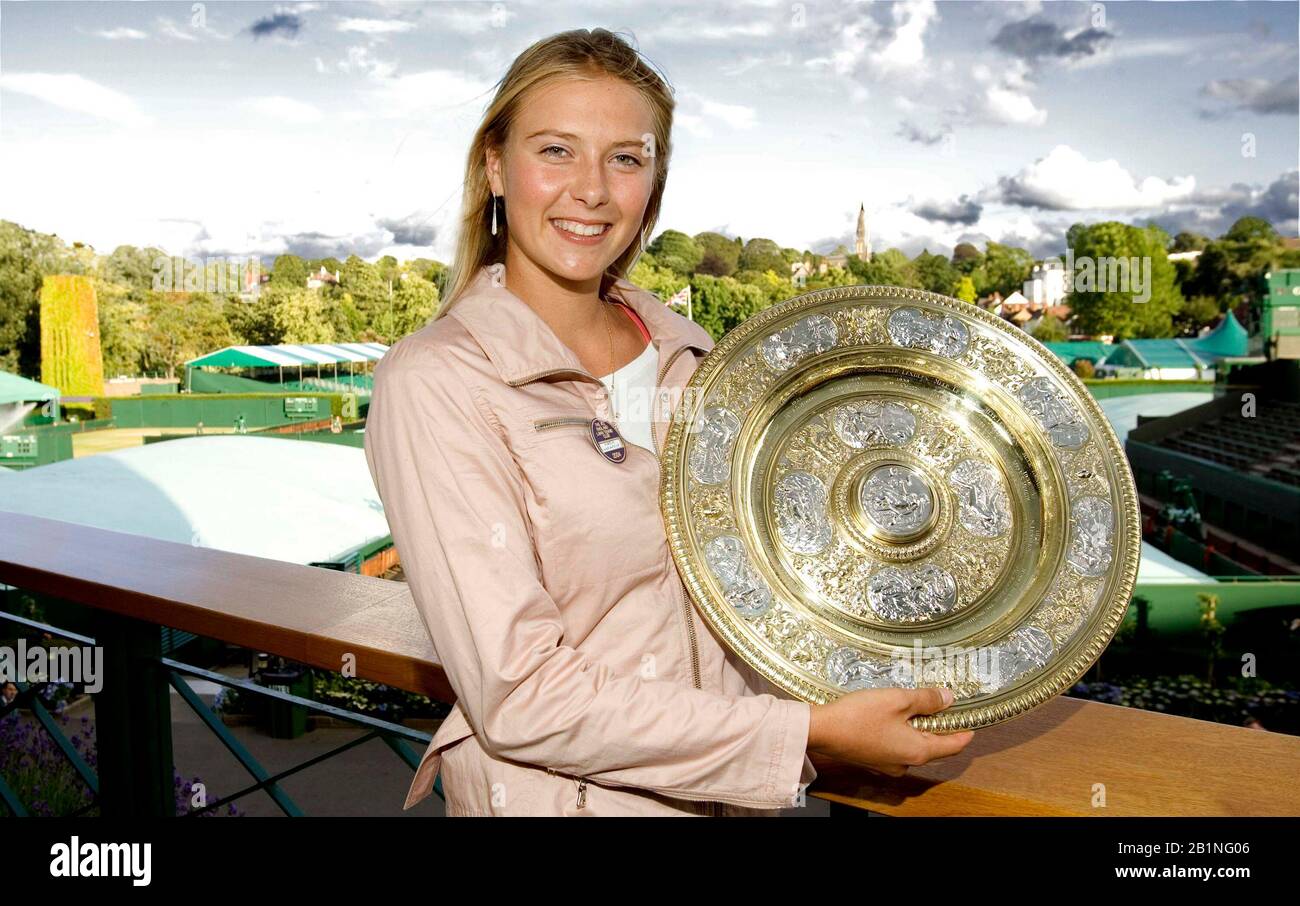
x=681, y=298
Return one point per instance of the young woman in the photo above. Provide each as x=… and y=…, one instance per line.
x=586, y=684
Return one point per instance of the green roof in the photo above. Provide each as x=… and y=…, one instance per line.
x=15, y=389
x=290, y=354
x=1069, y=350
x=1162, y=353
x=1228, y=339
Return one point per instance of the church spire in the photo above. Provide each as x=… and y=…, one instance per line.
x=862, y=247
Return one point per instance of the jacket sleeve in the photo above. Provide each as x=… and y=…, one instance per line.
x=454, y=499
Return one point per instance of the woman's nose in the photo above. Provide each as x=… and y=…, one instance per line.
x=589, y=185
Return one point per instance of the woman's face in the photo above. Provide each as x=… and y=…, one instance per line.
x=577, y=162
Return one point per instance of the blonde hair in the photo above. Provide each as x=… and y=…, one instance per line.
x=577, y=54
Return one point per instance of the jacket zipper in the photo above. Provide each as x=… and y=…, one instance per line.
x=690, y=631
x=686, y=606
x=582, y=787
x=654, y=440
x=544, y=424
x=560, y=421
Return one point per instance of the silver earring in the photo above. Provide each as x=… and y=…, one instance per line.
x=494, y=213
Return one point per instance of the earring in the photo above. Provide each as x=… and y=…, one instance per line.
x=494, y=213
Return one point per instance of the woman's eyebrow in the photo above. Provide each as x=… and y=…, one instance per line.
x=574, y=138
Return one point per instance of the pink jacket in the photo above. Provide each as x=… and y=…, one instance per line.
x=586, y=682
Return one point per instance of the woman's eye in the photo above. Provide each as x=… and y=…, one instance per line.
x=549, y=148
x=629, y=158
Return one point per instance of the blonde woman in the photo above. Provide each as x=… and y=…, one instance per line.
x=514, y=441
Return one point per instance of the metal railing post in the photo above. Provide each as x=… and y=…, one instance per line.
x=133, y=724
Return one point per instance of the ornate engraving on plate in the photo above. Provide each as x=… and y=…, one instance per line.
x=907, y=595
x=1056, y=414
x=983, y=507
x=851, y=669
x=1027, y=648
x=808, y=336
x=744, y=588
x=913, y=328
x=862, y=424
x=898, y=501
x=711, y=455
x=800, y=503
x=1092, y=528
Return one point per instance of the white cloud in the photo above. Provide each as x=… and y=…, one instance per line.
x=701, y=112
x=283, y=109
x=472, y=19
x=434, y=90
x=863, y=44
x=1002, y=105
x=360, y=59
x=1065, y=179
x=374, y=26
x=907, y=47
x=691, y=29
x=169, y=29
x=1002, y=97
x=118, y=34
x=70, y=91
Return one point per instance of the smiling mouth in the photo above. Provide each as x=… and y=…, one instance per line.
x=582, y=230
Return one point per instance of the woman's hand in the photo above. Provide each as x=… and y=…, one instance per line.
x=869, y=728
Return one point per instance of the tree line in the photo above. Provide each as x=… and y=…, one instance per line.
x=147, y=331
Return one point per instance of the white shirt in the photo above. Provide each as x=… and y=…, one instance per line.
x=631, y=391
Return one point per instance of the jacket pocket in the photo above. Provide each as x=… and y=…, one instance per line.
x=431, y=763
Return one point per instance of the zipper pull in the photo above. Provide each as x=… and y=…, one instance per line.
x=582, y=794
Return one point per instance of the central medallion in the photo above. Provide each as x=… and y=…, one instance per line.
x=897, y=501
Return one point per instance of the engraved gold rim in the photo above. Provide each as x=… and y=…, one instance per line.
x=1064, y=670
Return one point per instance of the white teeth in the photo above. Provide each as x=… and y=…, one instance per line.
x=581, y=229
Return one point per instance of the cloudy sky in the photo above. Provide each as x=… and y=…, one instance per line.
x=332, y=128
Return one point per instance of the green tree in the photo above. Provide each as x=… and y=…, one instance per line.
x=888, y=268
x=720, y=255
x=1197, y=312
x=20, y=293
x=253, y=323
x=966, y=290
x=936, y=273
x=761, y=255
x=289, y=270
x=300, y=315
x=123, y=326
x=1050, y=329
x=1007, y=267
x=1102, y=301
x=180, y=327
x=721, y=303
x=661, y=281
x=1187, y=241
x=414, y=302
x=966, y=257
x=677, y=252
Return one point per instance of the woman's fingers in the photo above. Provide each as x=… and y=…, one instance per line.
x=941, y=745
x=927, y=700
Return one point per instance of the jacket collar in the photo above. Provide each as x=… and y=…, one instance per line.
x=523, y=347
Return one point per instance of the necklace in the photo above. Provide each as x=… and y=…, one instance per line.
x=610, y=334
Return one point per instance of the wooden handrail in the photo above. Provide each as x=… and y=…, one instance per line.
x=1049, y=761
x=304, y=613
x=1046, y=762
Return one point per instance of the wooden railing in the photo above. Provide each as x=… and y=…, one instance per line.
x=1067, y=757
